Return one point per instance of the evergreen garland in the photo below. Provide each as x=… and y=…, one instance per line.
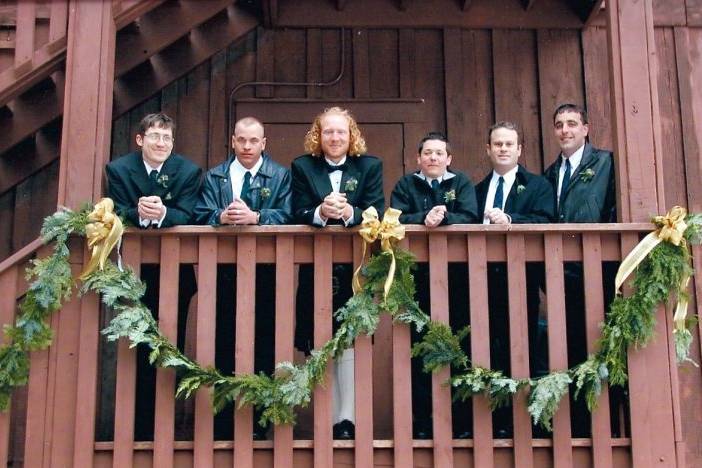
x=630, y=322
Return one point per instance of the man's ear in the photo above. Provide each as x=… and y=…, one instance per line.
x=139, y=140
x=263, y=144
x=448, y=160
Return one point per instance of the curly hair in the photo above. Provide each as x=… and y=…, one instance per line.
x=313, y=139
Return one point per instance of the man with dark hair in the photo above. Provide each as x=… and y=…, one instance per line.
x=435, y=196
x=249, y=188
x=583, y=181
x=511, y=194
x=155, y=188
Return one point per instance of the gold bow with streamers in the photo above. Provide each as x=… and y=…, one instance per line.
x=103, y=232
x=388, y=231
x=671, y=228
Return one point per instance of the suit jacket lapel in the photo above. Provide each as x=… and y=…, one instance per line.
x=169, y=173
x=481, y=191
x=513, y=196
x=139, y=175
x=320, y=177
x=587, y=160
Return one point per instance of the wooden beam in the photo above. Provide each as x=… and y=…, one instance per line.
x=341, y=4
x=125, y=14
x=585, y=9
x=465, y=4
x=527, y=4
x=30, y=157
x=176, y=61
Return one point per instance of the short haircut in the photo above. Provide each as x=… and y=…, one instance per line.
x=247, y=122
x=159, y=120
x=508, y=126
x=571, y=108
x=313, y=139
x=434, y=136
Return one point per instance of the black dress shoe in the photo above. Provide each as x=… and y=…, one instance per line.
x=503, y=433
x=344, y=430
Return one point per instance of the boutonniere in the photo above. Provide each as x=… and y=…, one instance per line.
x=168, y=196
x=265, y=193
x=449, y=196
x=162, y=180
x=520, y=189
x=350, y=185
x=587, y=174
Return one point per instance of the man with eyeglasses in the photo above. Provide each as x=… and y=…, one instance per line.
x=436, y=196
x=155, y=188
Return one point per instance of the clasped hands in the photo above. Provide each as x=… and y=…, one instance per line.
x=237, y=212
x=151, y=208
x=335, y=206
x=497, y=216
x=435, y=216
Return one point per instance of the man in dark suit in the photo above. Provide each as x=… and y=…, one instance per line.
x=511, y=194
x=583, y=181
x=436, y=196
x=249, y=188
x=333, y=184
x=155, y=188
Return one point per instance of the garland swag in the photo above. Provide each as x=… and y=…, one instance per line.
x=662, y=273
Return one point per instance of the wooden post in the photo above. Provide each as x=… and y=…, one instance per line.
x=87, y=111
x=634, y=92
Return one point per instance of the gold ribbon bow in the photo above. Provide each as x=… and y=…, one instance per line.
x=389, y=231
x=103, y=232
x=670, y=228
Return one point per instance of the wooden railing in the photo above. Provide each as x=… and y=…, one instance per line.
x=54, y=424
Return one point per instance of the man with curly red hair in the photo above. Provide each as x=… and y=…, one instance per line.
x=333, y=184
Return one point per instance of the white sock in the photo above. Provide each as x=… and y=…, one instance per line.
x=343, y=394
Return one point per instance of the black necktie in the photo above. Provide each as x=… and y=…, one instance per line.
x=566, y=180
x=245, y=189
x=153, y=175
x=499, y=196
x=331, y=168
x=435, y=184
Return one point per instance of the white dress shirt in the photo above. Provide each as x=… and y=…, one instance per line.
x=237, y=172
x=151, y=222
x=509, y=178
x=575, y=159
x=335, y=180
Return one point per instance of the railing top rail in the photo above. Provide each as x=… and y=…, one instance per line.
x=21, y=255
x=410, y=228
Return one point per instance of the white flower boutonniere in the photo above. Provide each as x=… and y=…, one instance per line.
x=162, y=180
x=265, y=193
x=520, y=189
x=587, y=175
x=350, y=185
x=168, y=196
x=449, y=196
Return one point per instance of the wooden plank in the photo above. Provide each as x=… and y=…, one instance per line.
x=86, y=395
x=560, y=65
x=693, y=10
x=24, y=35
x=519, y=348
x=557, y=345
x=516, y=89
x=363, y=380
x=218, y=140
x=441, y=394
x=8, y=307
x=58, y=22
x=323, y=451
x=332, y=60
x=480, y=348
x=597, y=86
x=7, y=207
x=129, y=10
x=383, y=64
x=203, y=449
x=402, y=390
x=265, y=52
x=244, y=351
x=87, y=115
x=594, y=316
x=361, y=68
x=164, y=419
x=314, y=62
x=454, y=96
x=669, y=13
x=125, y=388
x=406, y=66
x=284, y=333
x=289, y=62
x=652, y=428
x=193, y=92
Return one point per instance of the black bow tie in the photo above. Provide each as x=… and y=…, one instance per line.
x=340, y=167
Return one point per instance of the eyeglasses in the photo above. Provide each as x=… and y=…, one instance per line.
x=155, y=137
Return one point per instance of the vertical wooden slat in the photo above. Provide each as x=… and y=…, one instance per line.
x=24, y=35
x=406, y=44
x=125, y=387
x=59, y=20
x=402, y=391
x=363, y=373
x=84, y=436
x=652, y=428
x=453, y=82
x=205, y=347
x=323, y=449
x=165, y=378
x=314, y=62
x=519, y=347
x=441, y=394
x=361, y=71
x=594, y=316
x=557, y=344
x=284, y=333
x=8, y=293
x=244, y=351
x=480, y=346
